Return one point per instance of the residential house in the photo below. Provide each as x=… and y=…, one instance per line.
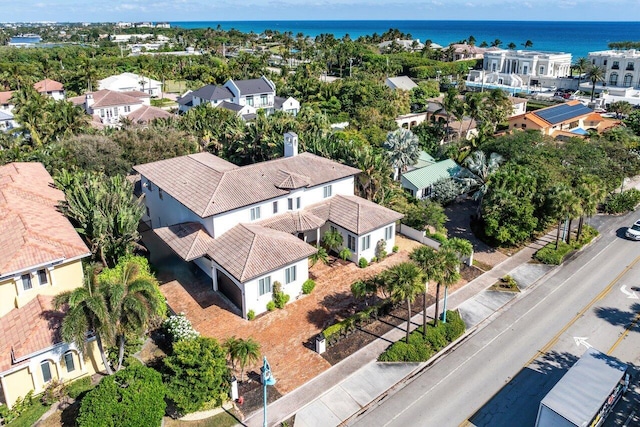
x=50, y=88
x=521, y=68
x=163, y=25
x=40, y=256
x=128, y=82
x=408, y=45
x=244, y=97
x=108, y=107
x=569, y=119
x=6, y=121
x=419, y=180
x=400, y=82
x=622, y=74
x=146, y=114
x=6, y=104
x=463, y=51
x=248, y=227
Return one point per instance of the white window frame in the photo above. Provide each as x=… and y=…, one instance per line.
x=68, y=360
x=290, y=275
x=298, y=202
x=255, y=213
x=43, y=279
x=365, y=242
x=327, y=191
x=388, y=232
x=275, y=207
x=351, y=242
x=42, y=370
x=26, y=280
x=264, y=285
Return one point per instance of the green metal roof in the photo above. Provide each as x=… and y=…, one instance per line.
x=428, y=175
x=425, y=159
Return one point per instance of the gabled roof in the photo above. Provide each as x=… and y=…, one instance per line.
x=248, y=251
x=115, y=82
x=27, y=330
x=355, y=214
x=147, y=113
x=5, y=115
x=563, y=112
x=48, y=85
x=208, y=185
x=212, y=93
x=5, y=97
x=429, y=175
x=230, y=106
x=254, y=86
x=34, y=232
x=401, y=82
x=189, y=240
x=294, y=222
x=186, y=99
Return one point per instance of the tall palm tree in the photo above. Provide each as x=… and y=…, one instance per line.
x=133, y=299
x=450, y=274
x=404, y=149
x=595, y=74
x=243, y=351
x=87, y=312
x=404, y=280
x=481, y=168
x=590, y=190
x=463, y=249
x=428, y=260
x=364, y=289
x=562, y=203
x=581, y=64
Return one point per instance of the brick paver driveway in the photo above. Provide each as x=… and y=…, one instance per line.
x=286, y=336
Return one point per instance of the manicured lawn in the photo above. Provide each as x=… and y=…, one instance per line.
x=175, y=86
x=223, y=419
x=30, y=416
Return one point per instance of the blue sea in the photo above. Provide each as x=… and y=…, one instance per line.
x=577, y=38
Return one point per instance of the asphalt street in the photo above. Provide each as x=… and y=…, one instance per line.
x=499, y=374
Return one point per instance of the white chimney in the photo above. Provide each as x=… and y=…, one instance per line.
x=290, y=144
x=89, y=100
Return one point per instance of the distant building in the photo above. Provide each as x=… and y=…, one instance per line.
x=622, y=68
x=408, y=45
x=50, y=88
x=127, y=82
x=400, y=82
x=163, y=25
x=571, y=119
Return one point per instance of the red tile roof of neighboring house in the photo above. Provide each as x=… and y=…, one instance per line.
x=48, y=85
x=27, y=330
x=34, y=232
x=109, y=98
x=5, y=97
x=146, y=114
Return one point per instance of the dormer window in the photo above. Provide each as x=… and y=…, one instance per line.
x=26, y=282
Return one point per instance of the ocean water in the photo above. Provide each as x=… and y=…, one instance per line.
x=577, y=38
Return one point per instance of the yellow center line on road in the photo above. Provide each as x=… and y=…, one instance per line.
x=624, y=334
x=598, y=297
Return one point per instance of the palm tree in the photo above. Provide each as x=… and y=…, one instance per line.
x=428, y=260
x=404, y=149
x=463, y=249
x=450, y=105
x=450, y=274
x=87, y=312
x=595, y=74
x=481, y=168
x=621, y=108
x=562, y=203
x=243, y=351
x=590, y=190
x=332, y=239
x=133, y=299
x=581, y=64
x=364, y=289
x=405, y=282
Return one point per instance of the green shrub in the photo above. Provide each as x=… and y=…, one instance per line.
x=455, y=327
x=132, y=397
x=374, y=259
x=307, y=286
x=588, y=234
x=438, y=237
x=622, y=202
x=271, y=306
x=400, y=352
x=436, y=337
x=280, y=299
x=345, y=254
x=55, y=391
x=381, y=249
x=196, y=373
x=77, y=387
x=20, y=406
x=362, y=262
x=395, y=249
x=251, y=315
x=549, y=254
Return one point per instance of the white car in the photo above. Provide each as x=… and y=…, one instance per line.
x=633, y=232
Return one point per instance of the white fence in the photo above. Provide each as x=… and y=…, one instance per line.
x=420, y=236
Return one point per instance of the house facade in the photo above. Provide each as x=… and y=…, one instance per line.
x=130, y=82
x=40, y=256
x=419, y=180
x=571, y=119
x=521, y=68
x=248, y=227
x=244, y=97
x=622, y=67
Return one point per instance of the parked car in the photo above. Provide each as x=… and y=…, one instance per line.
x=633, y=232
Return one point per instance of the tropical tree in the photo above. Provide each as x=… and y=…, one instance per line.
x=320, y=255
x=86, y=312
x=242, y=351
x=332, y=239
x=133, y=299
x=590, y=191
x=103, y=211
x=511, y=46
x=581, y=65
x=403, y=148
x=428, y=260
x=449, y=275
x=481, y=168
x=621, y=108
x=528, y=44
x=364, y=289
x=594, y=74
x=404, y=282
x=561, y=204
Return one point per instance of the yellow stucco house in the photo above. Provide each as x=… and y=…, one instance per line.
x=40, y=256
x=570, y=119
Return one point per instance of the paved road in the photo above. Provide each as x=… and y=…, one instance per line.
x=490, y=378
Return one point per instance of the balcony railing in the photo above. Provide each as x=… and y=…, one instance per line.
x=615, y=67
x=629, y=68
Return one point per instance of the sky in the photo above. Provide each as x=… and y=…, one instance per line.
x=252, y=10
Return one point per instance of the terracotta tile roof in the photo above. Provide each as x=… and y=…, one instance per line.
x=77, y=100
x=136, y=94
x=27, y=330
x=202, y=186
x=146, y=114
x=248, y=251
x=353, y=213
x=5, y=97
x=34, y=232
x=48, y=85
x=594, y=117
x=294, y=222
x=189, y=240
x=109, y=98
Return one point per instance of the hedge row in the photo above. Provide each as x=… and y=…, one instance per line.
x=420, y=348
x=552, y=256
x=342, y=329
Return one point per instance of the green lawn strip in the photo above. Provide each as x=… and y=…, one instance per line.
x=223, y=419
x=30, y=415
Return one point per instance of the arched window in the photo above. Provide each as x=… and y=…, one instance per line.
x=45, y=367
x=613, y=79
x=69, y=362
x=628, y=78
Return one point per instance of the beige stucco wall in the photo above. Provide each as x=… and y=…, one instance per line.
x=29, y=377
x=61, y=278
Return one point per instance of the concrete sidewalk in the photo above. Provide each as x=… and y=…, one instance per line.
x=344, y=389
